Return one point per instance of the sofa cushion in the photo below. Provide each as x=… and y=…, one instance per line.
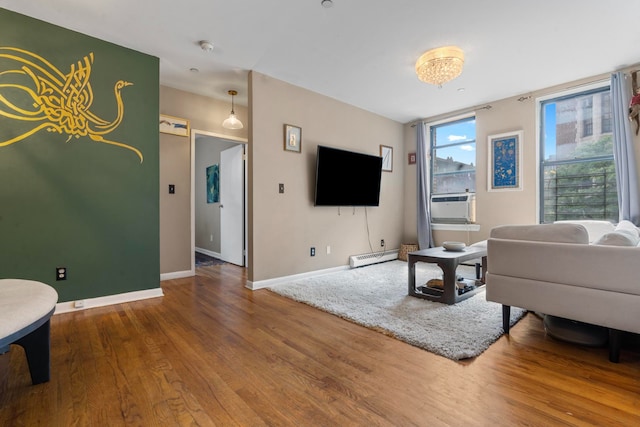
x=566, y=232
x=628, y=227
x=618, y=238
x=595, y=228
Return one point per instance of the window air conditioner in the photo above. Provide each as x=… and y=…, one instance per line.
x=453, y=208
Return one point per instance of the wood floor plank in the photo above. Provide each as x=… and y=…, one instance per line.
x=213, y=353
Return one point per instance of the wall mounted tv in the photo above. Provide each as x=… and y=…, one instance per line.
x=347, y=178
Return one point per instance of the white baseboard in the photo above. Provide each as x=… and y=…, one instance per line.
x=177, y=275
x=66, y=307
x=208, y=252
x=260, y=284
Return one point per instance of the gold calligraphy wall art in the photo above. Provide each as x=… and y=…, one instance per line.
x=59, y=102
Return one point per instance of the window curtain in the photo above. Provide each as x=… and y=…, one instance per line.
x=623, y=150
x=425, y=237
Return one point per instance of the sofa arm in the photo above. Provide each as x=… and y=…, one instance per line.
x=557, y=233
x=609, y=268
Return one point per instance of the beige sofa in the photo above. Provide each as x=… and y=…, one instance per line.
x=561, y=270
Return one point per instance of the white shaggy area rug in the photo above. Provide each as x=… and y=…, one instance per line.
x=376, y=297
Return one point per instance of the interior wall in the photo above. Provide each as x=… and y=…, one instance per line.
x=207, y=225
x=206, y=114
x=495, y=208
x=71, y=197
x=285, y=226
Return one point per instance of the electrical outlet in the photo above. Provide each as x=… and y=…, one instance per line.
x=61, y=273
x=382, y=242
x=79, y=303
x=313, y=251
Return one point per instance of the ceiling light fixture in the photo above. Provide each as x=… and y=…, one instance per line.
x=326, y=3
x=232, y=121
x=440, y=65
x=206, y=46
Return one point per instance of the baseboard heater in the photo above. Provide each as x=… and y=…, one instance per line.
x=372, y=258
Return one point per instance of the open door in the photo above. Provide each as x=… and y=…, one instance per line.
x=232, y=205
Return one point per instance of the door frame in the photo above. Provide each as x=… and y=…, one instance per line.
x=235, y=139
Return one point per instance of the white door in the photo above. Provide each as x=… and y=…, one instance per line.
x=231, y=205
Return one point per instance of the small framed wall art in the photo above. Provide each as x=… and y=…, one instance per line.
x=386, y=153
x=174, y=125
x=505, y=161
x=412, y=158
x=292, y=138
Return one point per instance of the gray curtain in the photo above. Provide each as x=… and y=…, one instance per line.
x=425, y=237
x=623, y=151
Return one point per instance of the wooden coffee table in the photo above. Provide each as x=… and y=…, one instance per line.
x=448, y=262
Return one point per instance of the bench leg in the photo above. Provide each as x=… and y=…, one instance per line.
x=614, y=345
x=37, y=347
x=506, y=318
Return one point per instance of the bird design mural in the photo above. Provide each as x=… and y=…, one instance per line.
x=41, y=95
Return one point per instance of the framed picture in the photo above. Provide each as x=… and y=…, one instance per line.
x=386, y=153
x=174, y=125
x=213, y=184
x=292, y=138
x=505, y=161
x=412, y=158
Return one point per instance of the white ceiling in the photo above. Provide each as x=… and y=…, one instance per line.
x=362, y=52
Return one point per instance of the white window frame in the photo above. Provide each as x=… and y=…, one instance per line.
x=539, y=100
x=428, y=126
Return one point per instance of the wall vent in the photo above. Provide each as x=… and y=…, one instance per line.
x=372, y=258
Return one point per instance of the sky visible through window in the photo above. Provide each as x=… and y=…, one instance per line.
x=549, y=130
x=458, y=133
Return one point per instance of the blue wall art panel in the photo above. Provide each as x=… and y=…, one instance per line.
x=213, y=184
x=504, y=162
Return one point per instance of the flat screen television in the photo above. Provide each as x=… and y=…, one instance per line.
x=347, y=178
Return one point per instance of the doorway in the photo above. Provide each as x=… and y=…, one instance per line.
x=218, y=197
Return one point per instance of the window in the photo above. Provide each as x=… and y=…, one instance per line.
x=577, y=172
x=606, y=112
x=586, y=111
x=453, y=156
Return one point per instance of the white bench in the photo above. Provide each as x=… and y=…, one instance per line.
x=25, y=309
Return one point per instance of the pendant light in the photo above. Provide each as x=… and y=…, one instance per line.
x=232, y=121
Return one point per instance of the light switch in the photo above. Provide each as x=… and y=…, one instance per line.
x=280, y=188
x=172, y=189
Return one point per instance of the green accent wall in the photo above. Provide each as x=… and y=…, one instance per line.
x=89, y=206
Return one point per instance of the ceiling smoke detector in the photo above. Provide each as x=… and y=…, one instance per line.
x=206, y=46
x=326, y=3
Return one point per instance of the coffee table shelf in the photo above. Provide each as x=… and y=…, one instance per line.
x=448, y=262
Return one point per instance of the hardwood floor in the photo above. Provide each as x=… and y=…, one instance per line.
x=211, y=352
